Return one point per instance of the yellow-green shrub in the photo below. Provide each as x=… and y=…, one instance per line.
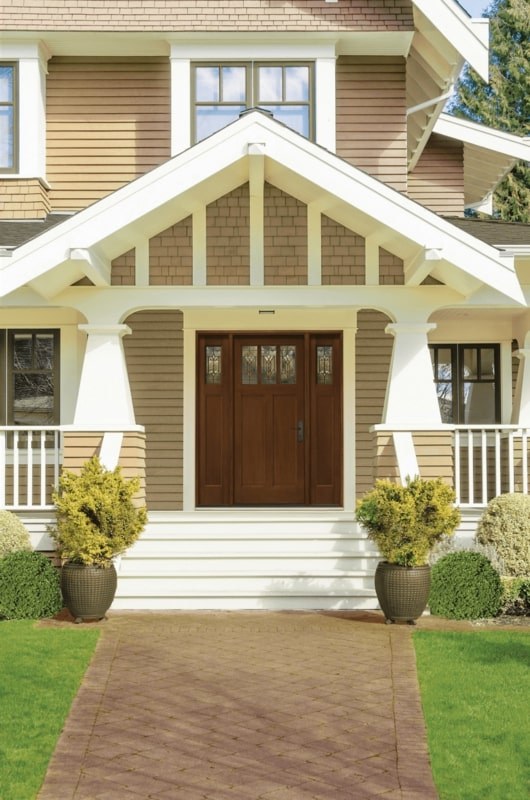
x=505, y=525
x=13, y=534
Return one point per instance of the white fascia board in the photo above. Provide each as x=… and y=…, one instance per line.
x=281, y=48
x=469, y=37
x=227, y=151
x=463, y=130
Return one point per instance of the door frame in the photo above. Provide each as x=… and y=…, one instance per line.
x=225, y=409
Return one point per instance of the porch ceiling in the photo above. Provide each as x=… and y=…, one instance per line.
x=86, y=243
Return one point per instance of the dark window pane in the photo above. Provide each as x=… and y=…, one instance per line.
x=487, y=363
x=23, y=351
x=44, y=351
x=479, y=403
x=34, y=399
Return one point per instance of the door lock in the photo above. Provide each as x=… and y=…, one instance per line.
x=300, y=431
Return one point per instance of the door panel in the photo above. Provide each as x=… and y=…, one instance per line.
x=269, y=419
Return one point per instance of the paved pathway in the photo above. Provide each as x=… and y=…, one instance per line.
x=245, y=706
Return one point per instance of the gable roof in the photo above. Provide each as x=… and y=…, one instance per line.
x=85, y=244
x=488, y=155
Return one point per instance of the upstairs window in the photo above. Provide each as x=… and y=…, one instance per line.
x=8, y=117
x=467, y=382
x=222, y=91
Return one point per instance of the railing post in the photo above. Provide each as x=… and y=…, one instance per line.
x=457, y=467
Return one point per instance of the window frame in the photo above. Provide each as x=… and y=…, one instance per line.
x=14, y=105
x=252, y=89
x=458, y=379
x=7, y=409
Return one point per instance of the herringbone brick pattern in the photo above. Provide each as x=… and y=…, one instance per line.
x=245, y=706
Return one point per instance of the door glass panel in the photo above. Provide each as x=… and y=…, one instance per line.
x=268, y=363
x=214, y=364
x=249, y=364
x=287, y=363
x=325, y=364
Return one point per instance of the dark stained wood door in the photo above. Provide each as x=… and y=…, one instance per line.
x=269, y=419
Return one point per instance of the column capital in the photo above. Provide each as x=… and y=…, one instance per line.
x=410, y=327
x=104, y=330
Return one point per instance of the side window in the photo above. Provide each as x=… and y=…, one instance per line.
x=32, y=378
x=467, y=382
x=221, y=92
x=8, y=117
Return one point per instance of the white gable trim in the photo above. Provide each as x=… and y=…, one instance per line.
x=515, y=147
x=211, y=168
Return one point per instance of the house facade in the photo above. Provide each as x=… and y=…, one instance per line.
x=234, y=260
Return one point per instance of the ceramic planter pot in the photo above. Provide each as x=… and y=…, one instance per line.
x=88, y=591
x=402, y=592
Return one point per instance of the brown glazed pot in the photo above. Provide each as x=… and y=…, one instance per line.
x=403, y=592
x=88, y=591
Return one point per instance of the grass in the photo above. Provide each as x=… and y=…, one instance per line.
x=41, y=669
x=475, y=690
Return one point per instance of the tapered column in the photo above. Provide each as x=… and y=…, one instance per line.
x=411, y=394
x=104, y=398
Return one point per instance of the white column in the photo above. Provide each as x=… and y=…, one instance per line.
x=411, y=394
x=521, y=405
x=104, y=398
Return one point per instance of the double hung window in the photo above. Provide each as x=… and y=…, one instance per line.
x=29, y=362
x=8, y=117
x=222, y=91
x=467, y=378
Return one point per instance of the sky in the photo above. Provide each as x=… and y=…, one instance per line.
x=474, y=7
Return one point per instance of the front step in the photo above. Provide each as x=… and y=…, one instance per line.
x=243, y=560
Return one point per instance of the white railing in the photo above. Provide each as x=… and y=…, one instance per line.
x=30, y=459
x=489, y=460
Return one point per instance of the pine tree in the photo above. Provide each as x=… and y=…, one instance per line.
x=504, y=102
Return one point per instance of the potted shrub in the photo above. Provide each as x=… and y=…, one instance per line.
x=97, y=520
x=405, y=522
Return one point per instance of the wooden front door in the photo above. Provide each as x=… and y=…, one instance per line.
x=269, y=421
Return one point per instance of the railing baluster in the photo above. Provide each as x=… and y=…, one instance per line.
x=470, y=467
x=524, y=459
x=43, y=468
x=57, y=443
x=16, y=470
x=457, y=467
x=498, y=484
x=511, y=461
x=29, y=459
x=484, y=462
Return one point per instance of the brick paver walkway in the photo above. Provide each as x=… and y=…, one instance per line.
x=245, y=706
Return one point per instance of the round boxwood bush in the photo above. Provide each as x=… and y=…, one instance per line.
x=13, y=534
x=29, y=586
x=505, y=525
x=464, y=585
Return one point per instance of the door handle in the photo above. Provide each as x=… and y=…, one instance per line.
x=300, y=431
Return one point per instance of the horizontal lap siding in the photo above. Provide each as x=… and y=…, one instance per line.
x=198, y=15
x=371, y=116
x=108, y=121
x=373, y=350
x=154, y=354
x=437, y=181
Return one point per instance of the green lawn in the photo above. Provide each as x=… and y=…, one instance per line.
x=40, y=672
x=475, y=691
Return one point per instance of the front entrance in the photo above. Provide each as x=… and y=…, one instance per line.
x=269, y=419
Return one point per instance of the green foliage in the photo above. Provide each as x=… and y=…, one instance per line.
x=516, y=596
x=13, y=534
x=41, y=669
x=504, y=102
x=97, y=518
x=29, y=586
x=505, y=525
x=474, y=691
x=406, y=521
x=464, y=585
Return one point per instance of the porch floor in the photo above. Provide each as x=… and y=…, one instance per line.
x=245, y=706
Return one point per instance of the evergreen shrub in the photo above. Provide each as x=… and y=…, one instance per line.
x=29, y=586
x=505, y=525
x=464, y=585
x=13, y=534
x=516, y=596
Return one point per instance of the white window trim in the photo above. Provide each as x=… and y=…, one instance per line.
x=31, y=60
x=183, y=54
